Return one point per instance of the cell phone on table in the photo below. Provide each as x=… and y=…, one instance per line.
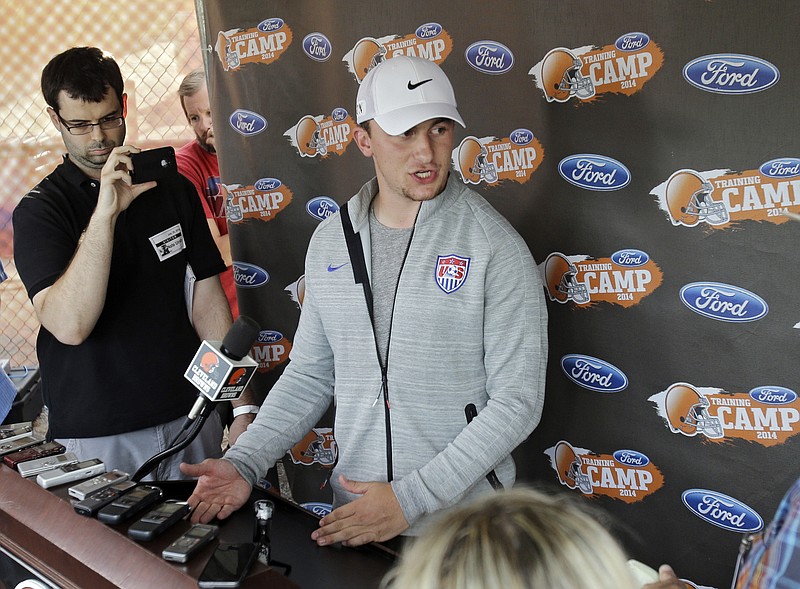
x=158, y=519
x=14, y=431
x=14, y=459
x=153, y=164
x=32, y=439
x=190, y=543
x=129, y=504
x=228, y=565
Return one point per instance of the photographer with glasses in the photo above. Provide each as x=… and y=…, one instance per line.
x=104, y=262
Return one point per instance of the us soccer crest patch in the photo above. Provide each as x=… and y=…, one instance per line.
x=451, y=272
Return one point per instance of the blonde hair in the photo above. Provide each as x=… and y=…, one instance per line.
x=515, y=539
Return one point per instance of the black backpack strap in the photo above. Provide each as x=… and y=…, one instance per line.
x=356, y=251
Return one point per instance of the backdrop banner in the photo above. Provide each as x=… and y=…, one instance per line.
x=649, y=154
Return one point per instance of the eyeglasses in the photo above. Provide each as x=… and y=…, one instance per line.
x=86, y=128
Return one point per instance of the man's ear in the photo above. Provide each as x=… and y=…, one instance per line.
x=124, y=105
x=54, y=118
x=363, y=140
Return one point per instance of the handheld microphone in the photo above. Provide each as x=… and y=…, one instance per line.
x=222, y=370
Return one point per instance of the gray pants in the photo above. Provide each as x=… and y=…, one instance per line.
x=127, y=452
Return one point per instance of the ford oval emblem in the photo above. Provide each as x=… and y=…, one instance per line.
x=321, y=207
x=269, y=336
x=631, y=458
x=723, y=302
x=339, y=114
x=773, y=395
x=785, y=167
x=428, y=30
x=630, y=258
x=317, y=47
x=247, y=123
x=249, y=275
x=270, y=25
x=731, y=73
x=317, y=508
x=593, y=374
x=489, y=57
x=632, y=42
x=267, y=184
x=521, y=136
x=594, y=172
x=722, y=511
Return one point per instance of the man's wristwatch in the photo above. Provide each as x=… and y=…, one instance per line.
x=237, y=411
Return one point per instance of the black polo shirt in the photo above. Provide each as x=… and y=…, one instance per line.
x=128, y=374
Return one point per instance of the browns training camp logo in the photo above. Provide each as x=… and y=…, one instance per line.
x=317, y=447
x=263, y=200
x=263, y=44
x=767, y=415
x=491, y=160
x=722, y=198
x=429, y=41
x=586, y=73
x=625, y=475
x=321, y=135
x=271, y=350
x=297, y=291
x=624, y=279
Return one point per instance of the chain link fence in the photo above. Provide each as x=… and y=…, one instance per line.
x=155, y=45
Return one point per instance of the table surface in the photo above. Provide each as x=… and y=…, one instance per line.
x=291, y=527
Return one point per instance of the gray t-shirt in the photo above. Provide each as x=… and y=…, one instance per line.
x=388, y=251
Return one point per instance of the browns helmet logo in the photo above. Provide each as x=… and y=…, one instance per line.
x=318, y=446
x=308, y=137
x=562, y=78
x=569, y=468
x=237, y=376
x=209, y=362
x=689, y=200
x=560, y=276
x=473, y=162
x=367, y=53
x=687, y=412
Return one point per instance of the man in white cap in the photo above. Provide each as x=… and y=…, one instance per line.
x=423, y=306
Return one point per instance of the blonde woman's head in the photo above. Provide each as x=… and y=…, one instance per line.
x=515, y=539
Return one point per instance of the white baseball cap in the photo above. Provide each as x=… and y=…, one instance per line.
x=402, y=92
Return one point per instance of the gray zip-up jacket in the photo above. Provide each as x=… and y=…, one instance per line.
x=469, y=326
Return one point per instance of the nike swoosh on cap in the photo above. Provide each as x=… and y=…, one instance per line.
x=332, y=268
x=418, y=84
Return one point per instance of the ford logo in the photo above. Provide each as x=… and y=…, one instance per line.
x=631, y=458
x=317, y=46
x=722, y=511
x=489, y=57
x=730, y=73
x=594, y=172
x=247, y=123
x=521, y=136
x=249, y=275
x=632, y=42
x=630, y=258
x=270, y=25
x=267, y=184
x=593, y=374
x=317, y=508
x=321, y=207
x=428, y=30
x=773, y=395
x=785, y=167
x=269, y=337
x=339, y=114
x=723, y=302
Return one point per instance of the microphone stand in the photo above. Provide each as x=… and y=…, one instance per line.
x=154, y=461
